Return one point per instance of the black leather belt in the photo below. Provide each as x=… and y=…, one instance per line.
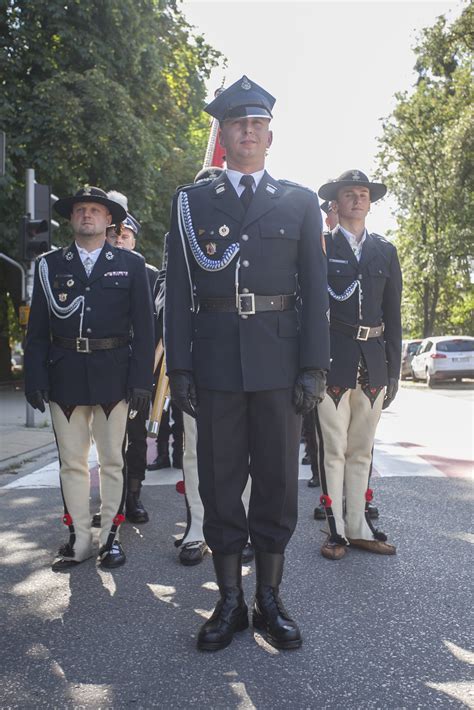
x=357, y=332
x=248, y=304
x=87, y=345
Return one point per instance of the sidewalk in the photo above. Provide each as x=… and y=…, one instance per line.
x=19, y=443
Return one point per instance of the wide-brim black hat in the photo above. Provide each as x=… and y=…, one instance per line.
x=90, y=194
x=243, y=99
x=329, y=190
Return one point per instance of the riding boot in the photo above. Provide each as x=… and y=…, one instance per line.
x=134, y=509
x=231, y=613
x=269, y=615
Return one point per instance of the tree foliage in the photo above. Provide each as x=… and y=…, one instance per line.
x=104, y=92
x=425, y=158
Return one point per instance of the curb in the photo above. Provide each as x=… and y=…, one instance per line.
x=19, y=459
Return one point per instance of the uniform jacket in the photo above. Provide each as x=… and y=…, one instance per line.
x=153, y=275
x=117, y=303
x=280, y=253
x=381, y=285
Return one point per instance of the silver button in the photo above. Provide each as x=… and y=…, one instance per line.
x=360, y=276
x=88, y=330
x=88, y=308
x=282, y=231
x=245, y=290
x=245, y=237
x=244, y=317
x=88, y=288
x=245, y=263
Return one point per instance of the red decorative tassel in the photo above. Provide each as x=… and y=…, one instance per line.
x=119, y=519
x=67, y=520
x=180, y=487
x=369, y=494
x=326, y=501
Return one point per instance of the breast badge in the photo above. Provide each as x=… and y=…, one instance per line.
x=62, y=297
x=70, y=282
x=211, y=248
x=224, y=230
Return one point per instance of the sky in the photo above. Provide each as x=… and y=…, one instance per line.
x=333, y=67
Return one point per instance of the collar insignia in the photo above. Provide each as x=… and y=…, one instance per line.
x=69, y=255
x=109, y=255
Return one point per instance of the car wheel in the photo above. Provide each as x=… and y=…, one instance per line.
x=429, y=379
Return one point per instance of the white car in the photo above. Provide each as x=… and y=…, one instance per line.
x=444, y=357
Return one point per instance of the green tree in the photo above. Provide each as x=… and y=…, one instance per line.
x=104, y=92
x=425, y=158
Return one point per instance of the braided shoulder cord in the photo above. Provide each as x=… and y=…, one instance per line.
x=62, y=312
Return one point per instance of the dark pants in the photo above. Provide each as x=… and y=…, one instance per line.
x=166, y=430
x=242, y=434
x=137, y=446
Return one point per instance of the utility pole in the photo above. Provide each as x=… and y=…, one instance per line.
x=30, y=211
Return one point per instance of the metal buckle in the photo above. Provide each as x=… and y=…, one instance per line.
x=363, y=333
x=246, y=308
x=82, y=345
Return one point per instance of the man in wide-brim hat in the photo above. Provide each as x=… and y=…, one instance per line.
x=89, y=353
x=364, y=285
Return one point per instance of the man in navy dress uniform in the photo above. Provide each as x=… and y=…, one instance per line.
x=242, y=359
x=89, y=352
x=365, y=286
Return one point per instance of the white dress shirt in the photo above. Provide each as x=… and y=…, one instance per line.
x=234, y=177
x=354, y=243
x=84, y=254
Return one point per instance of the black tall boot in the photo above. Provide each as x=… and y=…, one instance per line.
x=231, y=613
x=269, y=615
x=134, y=510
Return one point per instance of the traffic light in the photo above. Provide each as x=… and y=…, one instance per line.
x=35, y=234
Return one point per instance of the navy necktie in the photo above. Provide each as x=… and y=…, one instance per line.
x=246, y=197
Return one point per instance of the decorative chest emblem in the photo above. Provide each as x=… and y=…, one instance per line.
x=246, y=85
x=69, y=255
x=224, y=230
x=70, y=282
x=211, y=248
x=109, y=255
x=62, y=297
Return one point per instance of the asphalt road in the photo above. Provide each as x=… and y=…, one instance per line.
x=386, y=633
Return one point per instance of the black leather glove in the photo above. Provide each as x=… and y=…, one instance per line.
x=37, y=399
x=139, y=399
x=309, y=390
x=391, y=392
x=183, y=391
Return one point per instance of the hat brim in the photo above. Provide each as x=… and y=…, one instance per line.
x=246, y=112
x=330, y=189
x=64, y=206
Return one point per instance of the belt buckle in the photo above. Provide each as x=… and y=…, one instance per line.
x=82, y=345
x=246, y=304
x=363, y=333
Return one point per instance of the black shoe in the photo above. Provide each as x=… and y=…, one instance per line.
x=192, y=553
x=231, y=613
x=269, y=615
x=314, y=482
x=95, y=522
x=372, y=511
x=306, y=461
x=248, y=553
x=115, y=557
x=320, y=513
x=134, y=510
x=161, y=461
x=60, y=565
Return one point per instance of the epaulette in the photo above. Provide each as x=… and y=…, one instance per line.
x=135, y=254
x=199, y=183
x=51, y=251
x=296, y=184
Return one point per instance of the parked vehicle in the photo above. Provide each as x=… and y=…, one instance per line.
x=443, y=358
x=409, y=348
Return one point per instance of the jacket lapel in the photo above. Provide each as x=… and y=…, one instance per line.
x=108, y=257
x=226, y=198
x=72, y=262
x=369, y=250
x=264, y=200
x=343, y=250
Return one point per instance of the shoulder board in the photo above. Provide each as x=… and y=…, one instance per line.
x=296, y=184
x=52, y=251
x=194, y=185
x=380, y=238
x=133, y=254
